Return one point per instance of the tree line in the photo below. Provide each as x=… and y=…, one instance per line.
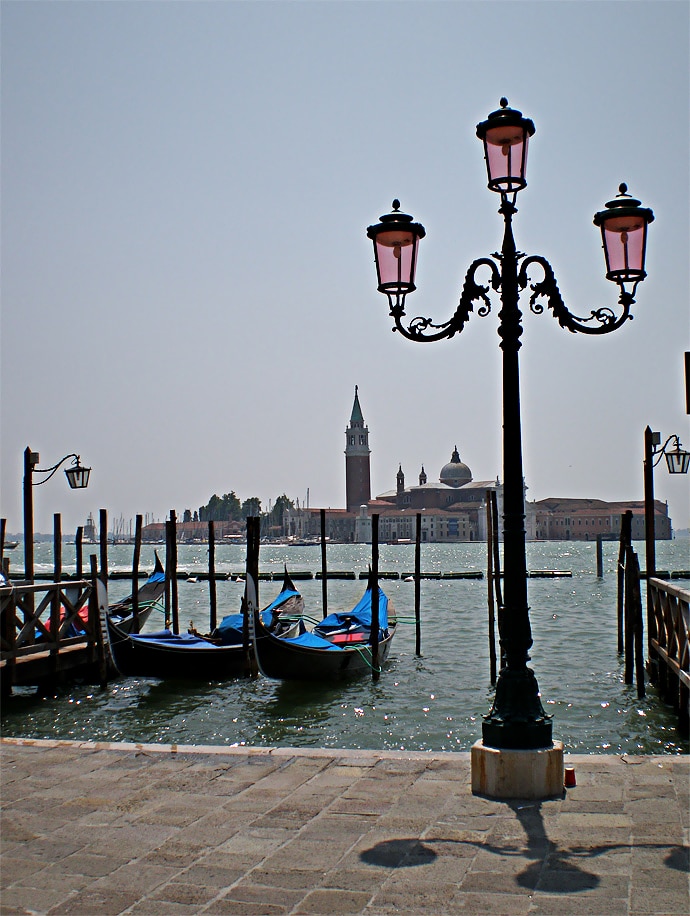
x=228, y=508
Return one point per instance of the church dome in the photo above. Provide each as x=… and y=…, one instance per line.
x=455, y=473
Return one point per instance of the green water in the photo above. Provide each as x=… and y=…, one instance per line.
x=434, y=702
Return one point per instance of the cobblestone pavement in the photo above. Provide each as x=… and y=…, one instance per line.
x=95, y=829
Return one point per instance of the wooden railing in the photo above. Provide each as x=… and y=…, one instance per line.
x=47, y=629
x=670, y=645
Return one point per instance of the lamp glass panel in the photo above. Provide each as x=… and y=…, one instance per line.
x=506, y=156
x=624, y=243
x=678, y=461
x=78, y=477
x=396, y=256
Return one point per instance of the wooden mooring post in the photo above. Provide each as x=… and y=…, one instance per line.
x=79, y=551
x=138, y=528
x=103, y=542
x=490, y=586
x=375, y=663
x=213, y=620
x=174, y=598
x=625, y=542
x=252, y=572
x=418, y=584
x=324, y=568
x=498, y=590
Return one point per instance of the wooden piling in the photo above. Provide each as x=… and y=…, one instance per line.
x=175, y=604
x=3, y=524
x=375, y=664
x=490, y=587
x=418, y=584
x=324, y=569
x=498, y=590
x=78, y=551
x=625, y=542
x=138, y=528
x=57, y=547
x=600, y=557
x=252, y=571
x=168, y=574
x=103, y=540
x=95, y=625
x=213, y=620
x=638, y=619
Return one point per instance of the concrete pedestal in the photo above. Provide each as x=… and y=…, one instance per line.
x=517, y=774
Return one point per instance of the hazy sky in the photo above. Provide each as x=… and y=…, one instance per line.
x=188, y=293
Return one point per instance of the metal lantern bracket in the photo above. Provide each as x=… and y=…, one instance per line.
x=677, y=459
x=77, y=474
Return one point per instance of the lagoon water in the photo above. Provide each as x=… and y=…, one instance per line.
x=434, y=702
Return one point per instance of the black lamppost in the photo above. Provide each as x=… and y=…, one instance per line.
x=517, y=719
x=77, y=478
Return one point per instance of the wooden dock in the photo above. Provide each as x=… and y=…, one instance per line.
x=669, y=646
x=48, y=632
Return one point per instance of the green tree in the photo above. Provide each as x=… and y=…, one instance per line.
x=251, y=506
x=281, y=506
x=223, y=509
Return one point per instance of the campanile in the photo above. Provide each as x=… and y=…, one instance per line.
x=357, y=452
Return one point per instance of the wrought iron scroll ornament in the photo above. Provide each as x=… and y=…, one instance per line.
x=603, y=320
x=472, y=291
x=606, y=319
x=76, y=465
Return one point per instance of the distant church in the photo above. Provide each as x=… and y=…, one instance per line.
x=453, y=509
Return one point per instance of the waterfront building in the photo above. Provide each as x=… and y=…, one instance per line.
x=453, y=508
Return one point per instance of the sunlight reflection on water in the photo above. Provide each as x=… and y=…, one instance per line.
x=435, y=702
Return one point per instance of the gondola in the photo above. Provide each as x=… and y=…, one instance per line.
x=148, y=596
x=215, y=656
x=337, y=648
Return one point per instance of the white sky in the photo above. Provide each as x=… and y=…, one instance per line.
x=188, y=293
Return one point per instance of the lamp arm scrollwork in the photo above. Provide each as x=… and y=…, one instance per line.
x=659, y=451
x=605, y=319
x=51, y=471
x=472, y=291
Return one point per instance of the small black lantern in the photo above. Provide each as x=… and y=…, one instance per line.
x=677, y=459
x=505, y=135
x=77, y=475
x=624, y=236
x=396, y=240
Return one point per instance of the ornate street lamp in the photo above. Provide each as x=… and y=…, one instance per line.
x=517, y=719
x=77, y=478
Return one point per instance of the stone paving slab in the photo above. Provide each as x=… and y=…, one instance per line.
x=98, y=829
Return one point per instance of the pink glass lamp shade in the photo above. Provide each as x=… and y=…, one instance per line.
x=505, y=135
x=624, y=235
x=396, y=240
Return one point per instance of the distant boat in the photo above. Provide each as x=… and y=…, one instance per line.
x=10, y=545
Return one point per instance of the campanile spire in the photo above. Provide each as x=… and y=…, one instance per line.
x=357, y=460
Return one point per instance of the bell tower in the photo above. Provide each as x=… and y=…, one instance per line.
x=357, y=452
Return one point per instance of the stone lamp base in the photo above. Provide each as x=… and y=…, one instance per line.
x=500, y=773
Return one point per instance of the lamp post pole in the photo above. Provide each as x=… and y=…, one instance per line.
x=517, y=720
x=678, y=462
x=77, y=478
x=30, y=460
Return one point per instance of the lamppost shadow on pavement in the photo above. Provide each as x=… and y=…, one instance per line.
x=553, y=868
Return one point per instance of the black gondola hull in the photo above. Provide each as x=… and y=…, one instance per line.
x=282, y=660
